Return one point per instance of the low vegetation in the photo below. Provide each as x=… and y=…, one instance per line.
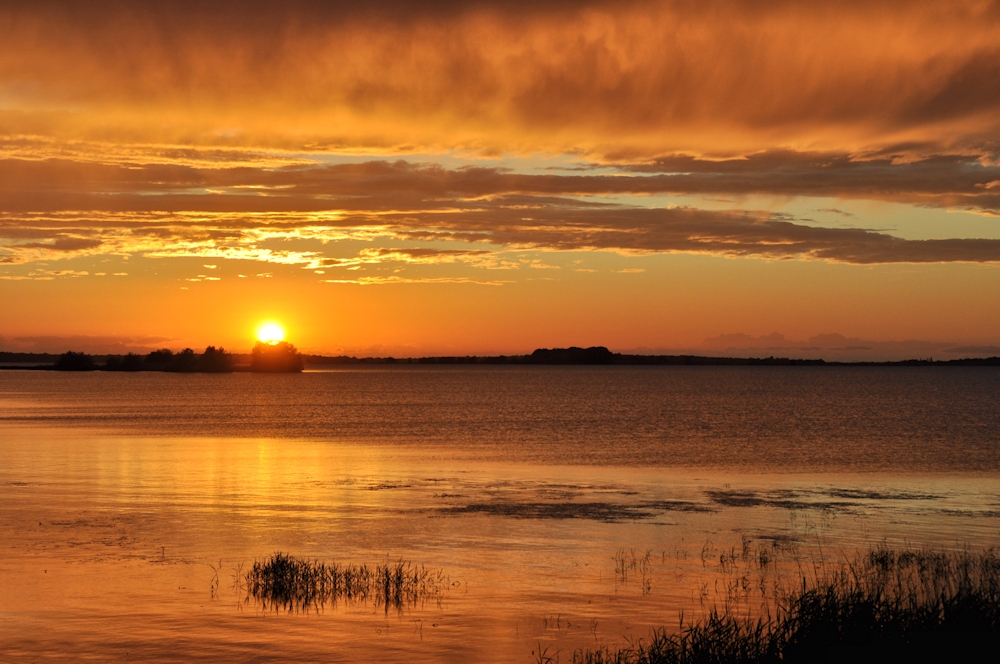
x=882, y=606
x=285, y=583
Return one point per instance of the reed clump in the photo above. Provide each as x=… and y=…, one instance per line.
x=284, y=582
x=882, y=606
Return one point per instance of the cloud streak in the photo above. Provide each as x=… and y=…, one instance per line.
x=947, y=180
x=833, y=346
x=501, y=224
x=382, y=281
x=636, y=78
x=59, y=208
x=218, y=130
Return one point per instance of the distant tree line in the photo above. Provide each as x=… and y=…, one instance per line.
x=213, y=360
x=283, y=357
x=599, y=355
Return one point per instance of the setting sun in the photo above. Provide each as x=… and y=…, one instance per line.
x=271, y=333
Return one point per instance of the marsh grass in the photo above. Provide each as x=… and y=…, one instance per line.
x=629, y=565
x=881, y=606
x=285, y=583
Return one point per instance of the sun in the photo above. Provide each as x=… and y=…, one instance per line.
x=271, y=333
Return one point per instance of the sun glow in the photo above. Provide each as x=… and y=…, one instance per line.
x=271, y=333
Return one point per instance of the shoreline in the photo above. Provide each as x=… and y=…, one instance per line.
x=595, y=356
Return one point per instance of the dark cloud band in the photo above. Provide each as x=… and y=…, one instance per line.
x=137, y=208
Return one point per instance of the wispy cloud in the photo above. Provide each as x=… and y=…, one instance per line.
x=560, y=227
x=482, y=258
x=638, y=77
x=427, y=203
x=402, y=187
x=835, y=346
x=84, y=343
x=381, y=281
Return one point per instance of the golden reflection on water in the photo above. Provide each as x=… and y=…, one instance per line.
x=110, y=544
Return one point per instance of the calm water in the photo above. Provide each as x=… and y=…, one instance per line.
x=120, y=495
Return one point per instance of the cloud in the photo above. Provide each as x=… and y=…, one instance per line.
x=481, y=258
x=381, y=281
x=834, y=346
x=981, y=351
x=901, y=173
x=63, y=244
x=836, y=211
x=62, y=197
x=83, y=343
x=46, y=275
x=401, y=202
x=382, y=186
x=640, y=78
x=692, y=230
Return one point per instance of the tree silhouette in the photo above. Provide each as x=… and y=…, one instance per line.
x=215, y=360
x=185, y=361
x=280, y=357
x=160, y=359
x=129, y=362
x=71, y=361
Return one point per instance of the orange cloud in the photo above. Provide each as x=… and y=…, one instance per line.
x=632, y=79
x=378, y=186
x=53, y=208
x=556, y=225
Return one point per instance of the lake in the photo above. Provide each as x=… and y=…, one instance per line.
x=554, y=507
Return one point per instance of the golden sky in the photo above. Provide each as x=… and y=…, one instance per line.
x=452, y=177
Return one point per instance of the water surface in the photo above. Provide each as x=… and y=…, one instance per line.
x=122, y=494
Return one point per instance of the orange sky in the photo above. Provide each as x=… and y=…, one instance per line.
x=427, y=178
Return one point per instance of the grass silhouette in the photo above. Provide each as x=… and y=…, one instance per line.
x=882, y=606
x=283, y=582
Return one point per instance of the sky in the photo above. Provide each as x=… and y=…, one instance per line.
x=435, y=178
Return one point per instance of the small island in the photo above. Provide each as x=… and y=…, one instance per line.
x=275, y=357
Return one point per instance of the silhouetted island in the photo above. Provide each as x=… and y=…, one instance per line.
x=74, y=362
x=275, y=357
x=282, y=357
x=213, y=360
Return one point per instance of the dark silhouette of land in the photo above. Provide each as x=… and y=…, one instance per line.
x=599, y=355
x=880, y=607
x=213, y=360
x=74, y=362
x=278, y=357
x=282, y=357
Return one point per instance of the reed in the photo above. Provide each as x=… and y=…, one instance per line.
x=883, y=605
x=283, y=582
